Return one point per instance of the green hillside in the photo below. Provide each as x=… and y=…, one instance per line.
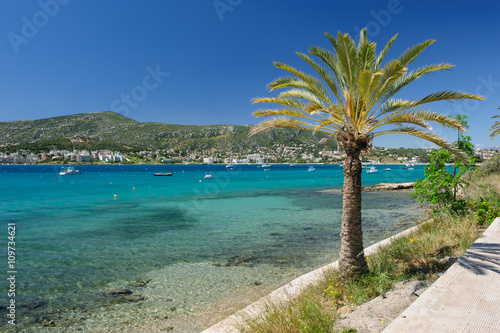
x=116, y=129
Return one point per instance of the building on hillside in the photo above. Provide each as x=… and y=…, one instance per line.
x=208, y=160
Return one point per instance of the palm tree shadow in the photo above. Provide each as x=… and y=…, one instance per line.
x=481, y=258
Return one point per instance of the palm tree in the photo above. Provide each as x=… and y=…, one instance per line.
x=495, y=128
x=355, y=106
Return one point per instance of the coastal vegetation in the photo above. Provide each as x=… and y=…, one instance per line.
x=422, y=255
x=352, y=102
x=441, y=185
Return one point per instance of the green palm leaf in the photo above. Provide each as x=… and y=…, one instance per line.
x=495, y=128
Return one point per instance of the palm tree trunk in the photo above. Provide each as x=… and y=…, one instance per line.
x=352, y=260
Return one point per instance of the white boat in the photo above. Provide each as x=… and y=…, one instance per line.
x=410, y=164
x=410, y=168
x=387, y=169
x=292, y=165
x=208, y=176
x=266, y=165
x=311, y=168
x=372, y=169
x=69, y=171
x=229, y=166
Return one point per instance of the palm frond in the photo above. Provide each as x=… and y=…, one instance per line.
x=291, y=102
x=313, y=85
x=495, y=128
x=282, y=112
x=280, y=122
x=323, y=73
x=426, y=135
x=331, y=61
x=401, y=117
x=345, y=48
x=366, y=51
x=413, y=52
x=447, y=95
x=384, y=51
x=419, y=118
x=299, y=93
x=326, y=122
x=413, y=75
x=368, y=83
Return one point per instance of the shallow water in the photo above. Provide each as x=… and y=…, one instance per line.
x=201, y=242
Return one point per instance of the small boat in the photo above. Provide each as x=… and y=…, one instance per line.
x=229, y=166
x=69, y=171
x=410, y=168
x=311, y=168
x=266, y=165
x=163, y=174
x=292, y=165
x=207, y=176
x=387, y=169
x=372, y=169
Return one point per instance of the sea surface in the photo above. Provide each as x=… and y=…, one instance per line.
x=192, y=250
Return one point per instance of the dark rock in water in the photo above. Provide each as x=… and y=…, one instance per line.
x=140, y=282
x=168, y=329
x=237, y=261
x=281, y=261
x=33, y=305
x=257, y=283
x=117, y=292
x=45, y=321
x=220, y=264
x=133, y=298
x=169, y=300
x=173, y=308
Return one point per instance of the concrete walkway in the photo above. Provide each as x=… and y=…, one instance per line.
x=465, y=299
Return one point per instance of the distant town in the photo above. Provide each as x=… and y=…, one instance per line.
x=277, y=153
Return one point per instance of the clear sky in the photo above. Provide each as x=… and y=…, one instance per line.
x=202, y=61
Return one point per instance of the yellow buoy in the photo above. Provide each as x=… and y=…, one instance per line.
x=134, y=188
x=115, y=195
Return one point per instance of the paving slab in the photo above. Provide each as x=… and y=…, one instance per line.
x=466, y=298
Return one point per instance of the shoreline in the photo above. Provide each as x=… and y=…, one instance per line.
x=292, y=289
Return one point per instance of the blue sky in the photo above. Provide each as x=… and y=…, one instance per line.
x=202, y=61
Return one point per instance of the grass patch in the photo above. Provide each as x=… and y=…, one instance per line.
x=419, y=256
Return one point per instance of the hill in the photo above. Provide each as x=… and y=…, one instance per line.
x=115, y=129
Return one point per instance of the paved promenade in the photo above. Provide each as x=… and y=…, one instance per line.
x=465, y=299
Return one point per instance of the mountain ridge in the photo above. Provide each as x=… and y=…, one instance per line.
x=116, y=128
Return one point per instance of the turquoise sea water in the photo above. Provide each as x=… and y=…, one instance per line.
x=77, y=236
